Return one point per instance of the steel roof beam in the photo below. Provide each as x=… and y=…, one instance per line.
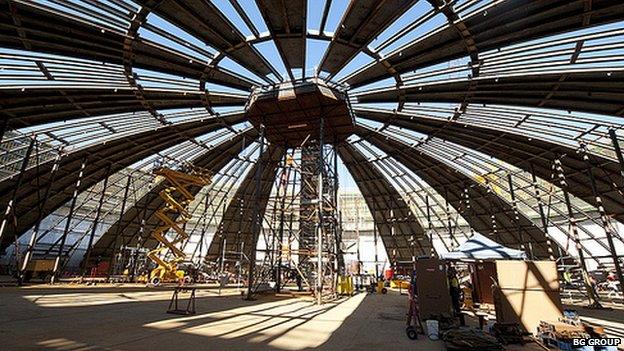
x=119, y=153
x=399, y=229
x=33, y=106
x=599, y=90
x=286, y=21
x=63, y=34
x=488, y=213
x=501, y=24
x=204, y=20
x=362, y=22
x=135, y=231
x=521, y=151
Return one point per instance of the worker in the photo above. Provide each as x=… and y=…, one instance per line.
x=454, y=289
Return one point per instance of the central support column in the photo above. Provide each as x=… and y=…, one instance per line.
x=312, y=117
x=319, y=258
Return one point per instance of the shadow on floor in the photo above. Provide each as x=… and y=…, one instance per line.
x=222, y=323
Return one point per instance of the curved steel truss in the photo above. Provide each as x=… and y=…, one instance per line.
x=498, y=117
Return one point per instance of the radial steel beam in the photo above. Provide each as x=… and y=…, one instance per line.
x=390, y=212
x=484, y=203
x=362, y=22
x=121, y=152
x=286, y=21
x=493, y=26
x=532, y=154
x=256, y=220
x=204, y=20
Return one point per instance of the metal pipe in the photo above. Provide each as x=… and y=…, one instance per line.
x=337, y=216
x=375, y=241
x=96, y=221
x=319, y=239
x=257, y=221
x=121, y=214
x=605, y=221
x=618, y=151
x=514, y=205
x=223, y=256
x=591, y=293
x=10, y=210
x=33, y=238
x=3, y=128
x=429, y=224
x=542, y=214
x=447, y=211
x=72, y=207
x=284, y=179
x=357, y=234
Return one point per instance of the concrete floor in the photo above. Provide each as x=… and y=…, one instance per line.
x=134, y=318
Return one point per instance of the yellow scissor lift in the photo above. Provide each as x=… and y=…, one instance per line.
x=178, y=182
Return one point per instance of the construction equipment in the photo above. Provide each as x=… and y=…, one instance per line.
x=173, y=216
x=466, y=298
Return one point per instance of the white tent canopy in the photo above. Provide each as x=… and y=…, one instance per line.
x=478, y=247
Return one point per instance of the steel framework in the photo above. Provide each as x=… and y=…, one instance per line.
x=498, y=117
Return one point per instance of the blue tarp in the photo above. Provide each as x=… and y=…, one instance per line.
x=478, y=247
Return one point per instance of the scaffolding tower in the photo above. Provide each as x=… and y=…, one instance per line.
x=319, y=220
x=300, y=235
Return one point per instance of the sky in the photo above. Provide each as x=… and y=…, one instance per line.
x=420, y=13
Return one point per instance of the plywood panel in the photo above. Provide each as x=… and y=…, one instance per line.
x=527, y=275
x=528, y=293
x=527, y=307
